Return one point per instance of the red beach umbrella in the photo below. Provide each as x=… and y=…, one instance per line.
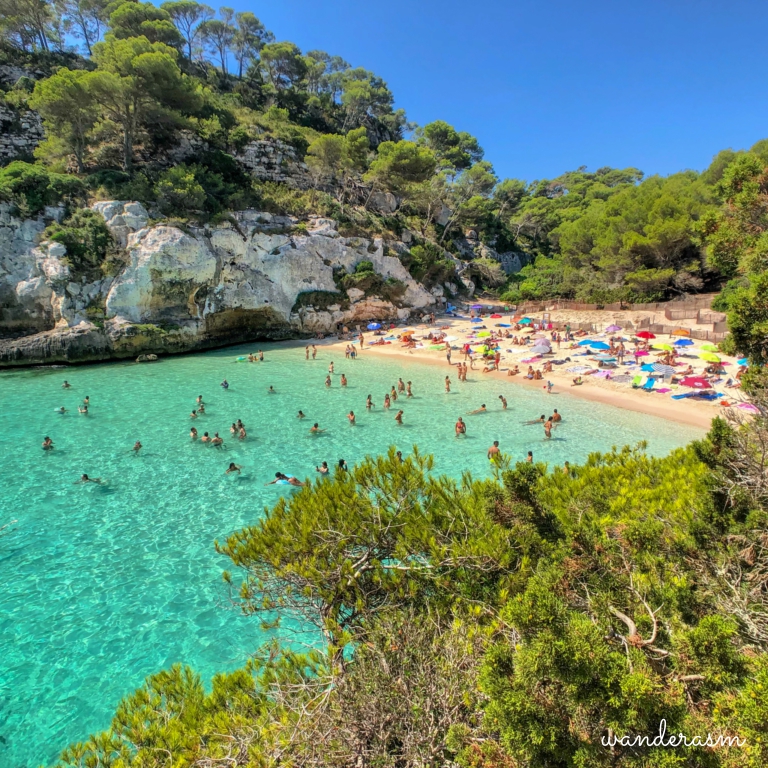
x=645, y=335
x=696, y=382
x=495, y=317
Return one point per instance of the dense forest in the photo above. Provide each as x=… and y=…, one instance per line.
x=522, y=621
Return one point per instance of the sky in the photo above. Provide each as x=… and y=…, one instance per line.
x=547, y=85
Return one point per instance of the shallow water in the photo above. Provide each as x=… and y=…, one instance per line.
x=103, y=585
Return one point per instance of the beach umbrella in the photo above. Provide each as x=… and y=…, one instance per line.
x=683, y=343
x=503, y=325
x=477, y=306
x=748, y=407
x=709, y=347
x=374, y=326
x=645, y=335
x=664, y=370
x=647, y=368
x=599, y=345
x=605, y=358
x=476, y=320
x=709, y=357
x=613, y=328
x=742, y=361
x=482, y=334
x=525, y=321
x=696, y=382
x=540, y=349
x=587, y=343
x=680, y=332
x=665, y=347
x=495, y=316
x=642, y=353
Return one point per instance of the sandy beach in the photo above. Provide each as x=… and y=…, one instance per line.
x=691, y=411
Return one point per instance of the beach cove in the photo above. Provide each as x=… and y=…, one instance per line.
x=106, y=584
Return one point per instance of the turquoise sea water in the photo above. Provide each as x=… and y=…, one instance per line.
x=103, y=585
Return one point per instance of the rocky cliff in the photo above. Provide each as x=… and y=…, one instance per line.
x=258, y=276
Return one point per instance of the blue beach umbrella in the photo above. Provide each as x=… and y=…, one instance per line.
x=599, y=345
x=525, y=321
x=374, y=326
x=683, y=343
x=476, y=320
x=586, y=343
x=742, y=361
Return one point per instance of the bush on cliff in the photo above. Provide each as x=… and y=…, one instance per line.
x=86, y=238
x=31, y=188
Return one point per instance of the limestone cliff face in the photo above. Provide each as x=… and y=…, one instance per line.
x=254, y=278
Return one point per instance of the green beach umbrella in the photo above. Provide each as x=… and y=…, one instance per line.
x=482, y=334
x=709, y=347
x=665, y=347
x=709, y=357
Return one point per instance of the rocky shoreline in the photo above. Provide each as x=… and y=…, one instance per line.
x=181, y=289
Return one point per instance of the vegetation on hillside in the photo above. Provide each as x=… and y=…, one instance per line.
x=126, y=81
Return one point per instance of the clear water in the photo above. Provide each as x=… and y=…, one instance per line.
x=103, y=585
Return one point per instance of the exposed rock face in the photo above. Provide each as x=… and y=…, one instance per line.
x=275, y=160
x=20, y=133
x=192, y=289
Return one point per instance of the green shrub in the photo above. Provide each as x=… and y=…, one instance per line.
x=179, y=192
x=32, y=187
x=428, y=265
x=86, y=238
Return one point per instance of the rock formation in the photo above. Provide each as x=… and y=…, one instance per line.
x=257, y=276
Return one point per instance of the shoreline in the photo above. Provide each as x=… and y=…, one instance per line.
x=688, y=412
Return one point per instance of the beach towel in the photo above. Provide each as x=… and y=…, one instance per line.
x=622, y=378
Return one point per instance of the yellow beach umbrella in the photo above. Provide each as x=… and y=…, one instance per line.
x=709, y=347
x=665, y=347
x=709, y=357
x=483, y=334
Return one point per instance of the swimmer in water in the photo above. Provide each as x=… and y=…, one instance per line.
x=271, y=390
x=83, y=409
x=217, y=441
x=66, y=385
x=387, y=401
x=306, y=352
x=241, y=435
x=201, y=409
x=351, y=417
x=137, y=446
x=503, y=402
x=205, y=438
x=232, y=468
x=369, y=402
x=193, y=415
x=566, y=468
x=447, y=383
x=408, y=392
x=261, y=356
x=301, y=415
x=87, y=400
x=399, y=457
x=283, y=479
x=481, y=409
x=529, y=457
x=314, y=351
x=343, y=380
x=540, y=420
x=224, y=384
x=328, y=380
x=556, y=416
x=493, y=451
x=548, y=429
x=61, y=410
x=399, y=417
x=86, y=479
x=47, y=444
x=193, y=433
x=233, y=429
x=330, y=367
x=392, y=394
x=400, y=385
x=315, y=429
x=323, y=468
x=199, y=400
x=343, y=465
x=461, y=427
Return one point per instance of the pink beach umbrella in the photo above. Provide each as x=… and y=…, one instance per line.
x=748, y=407
x=641, y=353
x=613, y=328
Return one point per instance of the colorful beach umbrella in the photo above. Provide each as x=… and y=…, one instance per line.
x=483, y=334
x=748, y=407
x=477, y=306
x=645, y=335
x=495, y=316
x=665, y=347
x=641, y=353
x=476, y=320
x=696, y=382
x=681, y=332
x=599, y=345
x=613, y=328
x=709, y=357
x=374, y=326
x=742, y=361
x=683, y=343
x=540, y=349
x=709, y=347
x=664, y=370
x=586, y=343
x=525, y=321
